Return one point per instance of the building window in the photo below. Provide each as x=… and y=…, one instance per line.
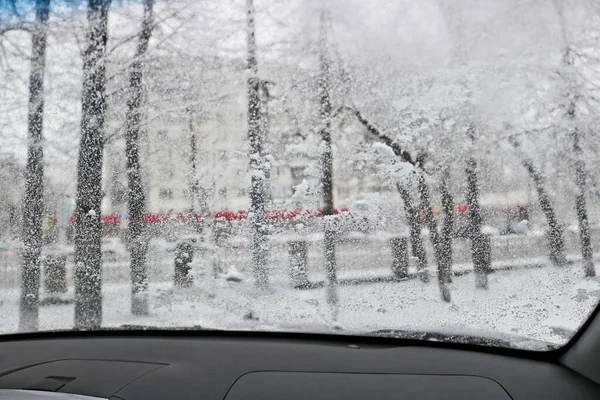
x=241, y=192
x=297, y=172
x=223, y=192
x=165, y=194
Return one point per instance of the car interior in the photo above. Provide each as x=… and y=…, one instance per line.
x=160, y=364
x=213, y=172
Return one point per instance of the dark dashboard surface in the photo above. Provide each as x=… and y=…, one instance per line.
x=219, y=367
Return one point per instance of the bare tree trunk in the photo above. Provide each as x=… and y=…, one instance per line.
x=581, y=209
x=255, y=137
x=414, y=225
x=580, y=173
x=556, y=241
x=33, y=201
x=555, y=232
x=327, y=166
x=197, y=194
x=479, y=246
x=138, y=239
x=88, y=228
x=434, y=236
x=203, y=223
x=265, y=98
x=448, y=225
x=194, y=184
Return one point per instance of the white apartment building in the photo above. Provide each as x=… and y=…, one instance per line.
x=218, y=131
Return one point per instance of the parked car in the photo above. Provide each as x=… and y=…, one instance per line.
x=516, y=228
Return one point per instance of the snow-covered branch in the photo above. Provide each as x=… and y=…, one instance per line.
x=398, y=150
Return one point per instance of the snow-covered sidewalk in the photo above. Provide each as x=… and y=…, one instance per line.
x=541, y=303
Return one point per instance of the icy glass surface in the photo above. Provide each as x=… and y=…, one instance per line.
x=411, y=169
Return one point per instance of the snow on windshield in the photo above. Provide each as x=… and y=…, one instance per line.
x=311, y=166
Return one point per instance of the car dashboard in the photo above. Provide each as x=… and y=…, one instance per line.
x=202, y=365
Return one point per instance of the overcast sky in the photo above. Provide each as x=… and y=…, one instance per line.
x=382, y=34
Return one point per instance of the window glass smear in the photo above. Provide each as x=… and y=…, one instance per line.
x=419, y=170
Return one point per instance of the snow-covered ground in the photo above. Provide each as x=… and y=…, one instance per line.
x=546, y=304
x=540, y=303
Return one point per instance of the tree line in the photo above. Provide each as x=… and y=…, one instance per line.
x=414, y=190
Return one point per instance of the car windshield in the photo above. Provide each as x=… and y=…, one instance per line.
x=392, y=168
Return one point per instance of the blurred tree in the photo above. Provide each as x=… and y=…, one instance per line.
x=255, y=138
x=480, y=248
x=434, y=234
x=88, y=228
x=138, y=240
x=33, y=201
x=574, y=132
x=327, y=162
x=556, y=241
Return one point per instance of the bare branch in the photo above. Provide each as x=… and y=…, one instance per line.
x=398, y=151
x=17, y=26
x=135, y=35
